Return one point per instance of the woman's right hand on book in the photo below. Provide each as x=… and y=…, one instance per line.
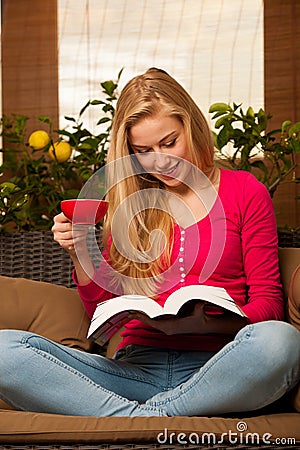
x=193, y=323
x=196, y=323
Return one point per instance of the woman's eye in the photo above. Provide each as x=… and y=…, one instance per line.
x=171, y=143
x=142, y=152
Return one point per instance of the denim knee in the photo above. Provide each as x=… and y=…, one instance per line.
x=12, y=337
x=9, y=337
x=271, y=334
x=276, y=344
x=8, y=342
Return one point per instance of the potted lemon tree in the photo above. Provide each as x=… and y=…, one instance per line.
x=38, y=172
x=244, y=141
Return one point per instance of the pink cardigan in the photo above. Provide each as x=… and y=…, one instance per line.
x=234, y=246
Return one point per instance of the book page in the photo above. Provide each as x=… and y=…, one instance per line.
x=118, y=305
x=215, y=295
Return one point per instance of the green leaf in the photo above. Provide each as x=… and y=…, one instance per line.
x=260, y=165
x=97, y=102
x=103, y=120
x=109, y=87
x=250, y=112
x=223, y=137
x=285, y=125
x=236, y=106
x=219, y=107
x=106, y=108
x=220, y=121
x=119, y=74
x=65, y=133
x=272, y=133
x=45, y=119
x=262, y=119
x=294, y=129
x=84, y=108
x=71, y=119
x=218, y=114
x=296, y=146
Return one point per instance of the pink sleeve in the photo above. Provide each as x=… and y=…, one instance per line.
x=94, y=292
x=260, y=254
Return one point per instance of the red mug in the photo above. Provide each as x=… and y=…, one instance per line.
x=84, y=211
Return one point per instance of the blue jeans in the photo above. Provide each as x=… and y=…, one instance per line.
x=255, y=369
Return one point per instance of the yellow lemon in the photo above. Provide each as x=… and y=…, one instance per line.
x=39, y=139
x=61, y=151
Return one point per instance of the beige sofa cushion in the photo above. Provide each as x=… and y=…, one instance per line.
x=55, y=312
x=19, y=427
x=294, y=318
x=43, y=308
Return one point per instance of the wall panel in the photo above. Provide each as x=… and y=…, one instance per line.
x=282, y=87
x=29, y=58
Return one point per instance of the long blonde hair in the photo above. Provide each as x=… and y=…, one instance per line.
x=139, y=255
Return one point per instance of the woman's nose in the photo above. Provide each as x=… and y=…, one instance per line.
x=161, y=159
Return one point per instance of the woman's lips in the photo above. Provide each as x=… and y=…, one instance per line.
x=170, y=173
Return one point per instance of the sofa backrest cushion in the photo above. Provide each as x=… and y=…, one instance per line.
x=294, y=318
x=294, y=299
x=53, y=311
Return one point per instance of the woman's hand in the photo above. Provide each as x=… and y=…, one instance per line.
x=73, y=240
x=62, y=232
x=67, y=235
x=193, y=323
x=197, y=323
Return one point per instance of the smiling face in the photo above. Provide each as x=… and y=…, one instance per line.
x=160, y=146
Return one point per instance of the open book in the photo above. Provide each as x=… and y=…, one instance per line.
x=112, y=314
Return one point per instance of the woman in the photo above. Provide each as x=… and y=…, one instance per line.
x=174, y=219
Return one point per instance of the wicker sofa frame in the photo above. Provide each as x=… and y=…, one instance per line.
x=36, y=256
